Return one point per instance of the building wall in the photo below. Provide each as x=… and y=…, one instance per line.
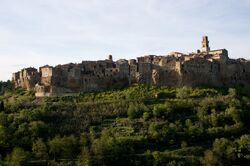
x=213, y=68
x=26, y=78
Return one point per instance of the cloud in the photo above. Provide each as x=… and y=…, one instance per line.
x=34, y=33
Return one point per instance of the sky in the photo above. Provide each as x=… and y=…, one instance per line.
x=34, y=33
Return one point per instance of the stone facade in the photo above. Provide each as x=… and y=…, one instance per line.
x=26, y=78
x=205, y=67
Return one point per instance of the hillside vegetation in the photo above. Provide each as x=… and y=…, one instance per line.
x=138, y=125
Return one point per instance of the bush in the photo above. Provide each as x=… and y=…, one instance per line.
x=136, y=110
x=183, y=92
x=159, y=110
x=146, y=115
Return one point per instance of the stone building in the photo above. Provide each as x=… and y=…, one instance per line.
x=205, y=67
x=26, y=78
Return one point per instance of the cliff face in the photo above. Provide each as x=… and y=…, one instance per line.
x=212, y=68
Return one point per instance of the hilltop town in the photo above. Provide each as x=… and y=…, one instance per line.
x=203, y=67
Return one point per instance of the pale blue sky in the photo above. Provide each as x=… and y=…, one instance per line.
x=39, y=32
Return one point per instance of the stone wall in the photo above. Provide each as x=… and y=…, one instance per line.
x=26, y=78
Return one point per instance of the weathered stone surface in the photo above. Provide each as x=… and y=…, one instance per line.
x=205, y=67
x=26, y=78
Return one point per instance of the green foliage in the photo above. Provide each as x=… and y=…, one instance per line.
x=5, y=87
x=3, y=137
x=244, y=147
x=222, y=153
x=232, y=92
x=65, y=147
x=183, y=92
x=39, y=150
x=135, y=110
x=1, y=106
x=146, y=115
x=138, y=125
x=108, y=145
x=158, y=110
x=18, y=157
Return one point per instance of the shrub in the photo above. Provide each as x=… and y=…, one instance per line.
x=183, y=92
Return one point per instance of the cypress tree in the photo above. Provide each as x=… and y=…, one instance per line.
x=1, y=106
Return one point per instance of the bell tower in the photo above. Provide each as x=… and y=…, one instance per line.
x=110, y=57
x=205, y=44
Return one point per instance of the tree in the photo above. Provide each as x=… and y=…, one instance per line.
x=84, y=140
x=232, y=92
x=84, y=158
x=1, y=106
x=148, y=157
x=3, y=137
x=225, y=150
x=18, y=157
x=3, y=119
x=244, y=146
x=132, y=111
x=66, y=147
x=146, y=115
x=39, y=150
x=183, y=92
x=55, y=146
x=1, y=88
x=158, y=159
x=136, y=110
x=105, y=145
x=108, y=145
x=159, y=110
x=37, y=129
x=210, y=159
x=193, y=130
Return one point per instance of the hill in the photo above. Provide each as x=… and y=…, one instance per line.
x=137, y=125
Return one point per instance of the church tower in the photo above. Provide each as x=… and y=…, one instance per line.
x=205, y=44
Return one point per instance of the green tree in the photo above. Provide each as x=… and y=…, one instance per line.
x=39, y=150
x=183, y=92
x=5, y=86
x=4, y=143
x=105, y=145
x=1, y=106
x=55, y=146
x=66, y=147
x=149, y=158
x=225, y=150
x=3, y=119
x=136, y=110
x=232, y=93
x=193, y=130
x=244, y=146
x=108, y=145
x=84, y=140
x=158, y=160
x=146, y=115
x=153, y=130
x=37, y=129
x=158, y=110
x=18, y=157
x=132, y=111
x=210, y=159
x=84, y=159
